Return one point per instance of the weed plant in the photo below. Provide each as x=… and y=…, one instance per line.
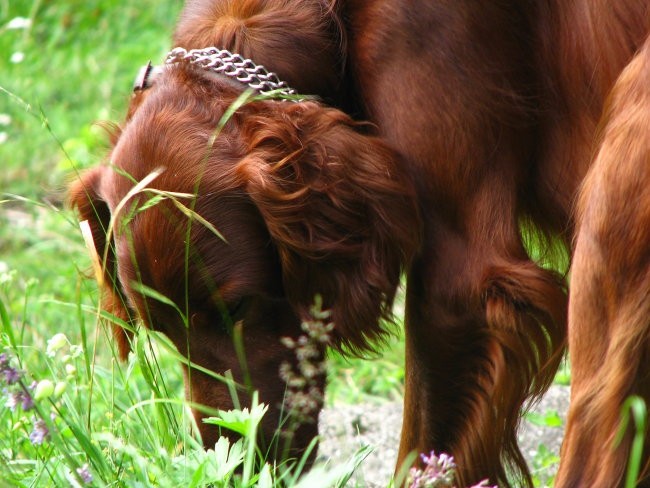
x=70, y=419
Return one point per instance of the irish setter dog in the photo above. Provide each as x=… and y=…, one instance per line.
x=490, y=123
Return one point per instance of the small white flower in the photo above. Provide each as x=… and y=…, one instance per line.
x=3, y=138
x=17, y=57
x=5, y=119
x=59, y=389
x=57, y=342
x=44, y=389
x=19, y=23
x=76, y=351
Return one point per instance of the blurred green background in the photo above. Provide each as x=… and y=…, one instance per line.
x=72, y=62
x=64, y=65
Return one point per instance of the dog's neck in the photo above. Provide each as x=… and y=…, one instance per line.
x=224, y=63
x=235, y=66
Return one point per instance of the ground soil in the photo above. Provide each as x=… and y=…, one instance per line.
x=346, y=428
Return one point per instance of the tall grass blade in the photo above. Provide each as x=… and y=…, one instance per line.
x=238, y=341
x=191, y=214
x=353, y=464
x=635, y=408
x=155, y=295
x=6, y=325
x=251, y=436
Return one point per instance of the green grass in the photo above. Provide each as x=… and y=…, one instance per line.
x=79, y=61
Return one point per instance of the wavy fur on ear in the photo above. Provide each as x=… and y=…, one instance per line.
x=83, y=195
x=339, y=209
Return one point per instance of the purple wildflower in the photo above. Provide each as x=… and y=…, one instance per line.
x=39, y=433
x=13, y=399
x=85, y=474
x=26, y=401
x=439, y=472
x=12, y=375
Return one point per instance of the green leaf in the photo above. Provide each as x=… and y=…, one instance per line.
x=195, y=216
x=634, y=407
x=227, y=457
x=241, y=421
x=6, y=324
x=152, y=202
x=198, y=477
x=550, y=418
x=155, y=295
x=265, y=479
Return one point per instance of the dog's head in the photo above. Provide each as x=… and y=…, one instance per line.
x=239, y=220
x=246, y=224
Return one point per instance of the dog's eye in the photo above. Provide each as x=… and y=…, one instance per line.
x=238, y=309
x=234, y=314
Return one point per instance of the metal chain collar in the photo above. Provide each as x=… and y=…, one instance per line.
x=234, y=66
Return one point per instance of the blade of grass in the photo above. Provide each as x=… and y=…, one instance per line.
x=155, y=295
x=634, y=408
x=238, y=341
x=251, y=445
x=6, y=325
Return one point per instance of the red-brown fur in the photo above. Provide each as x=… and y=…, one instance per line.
x=609, y=313
x=486, y=115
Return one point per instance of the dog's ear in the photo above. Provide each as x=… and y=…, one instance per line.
x=84, y=196
x=145, y=80
x=339, y=209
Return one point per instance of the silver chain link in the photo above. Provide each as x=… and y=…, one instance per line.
x=232, y=65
